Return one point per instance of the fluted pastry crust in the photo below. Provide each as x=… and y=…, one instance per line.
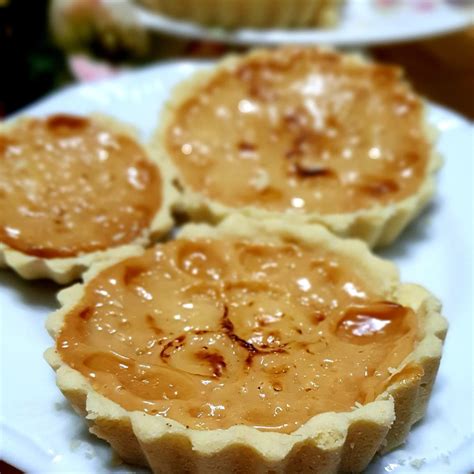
x=65, y=270
x=327, y=443
x=251, y=13
x=378, y=226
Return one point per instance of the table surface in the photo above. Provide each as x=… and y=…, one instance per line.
x=442, y=69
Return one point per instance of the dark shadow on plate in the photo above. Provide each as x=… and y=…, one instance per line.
x=40, y=293
x=416, y=232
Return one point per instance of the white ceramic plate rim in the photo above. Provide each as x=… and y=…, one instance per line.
x=361, y=25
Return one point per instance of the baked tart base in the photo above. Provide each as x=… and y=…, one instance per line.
x=328, y=442
x=378, y=225
x=65, y=269
x=248, y=13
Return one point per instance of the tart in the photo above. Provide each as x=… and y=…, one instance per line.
x=251, y=13
x=73, y=190
x=303, y=134
x=248, y=347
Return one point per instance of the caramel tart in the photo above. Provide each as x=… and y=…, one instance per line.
x=74, y=190
x=248, y=347
x=251, y=13
x=305, y=134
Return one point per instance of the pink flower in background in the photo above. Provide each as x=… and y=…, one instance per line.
x=424, y=4
x=420, y=5
x=386, y=3
x=85, y=69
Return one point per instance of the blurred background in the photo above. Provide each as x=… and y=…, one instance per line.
x=46, y=45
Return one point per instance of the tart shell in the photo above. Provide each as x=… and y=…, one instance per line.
x=327, y=443
x=377, y=226
x=251, y=13
x=65, y=270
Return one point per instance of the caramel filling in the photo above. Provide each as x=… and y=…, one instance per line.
x=218, y=333
x=301, y=129
x=69, y=185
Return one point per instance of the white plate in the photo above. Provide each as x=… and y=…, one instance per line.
x=362, y=23
x=40, y=433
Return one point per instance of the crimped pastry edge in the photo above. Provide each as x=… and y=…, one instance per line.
x=65, y=270
x=378, y=226
x=250, y=13
x=327, y=443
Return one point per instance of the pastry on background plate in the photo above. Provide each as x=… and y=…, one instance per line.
x=251, y=13
x=74, y=190
x=303, y=134
x=248, y=347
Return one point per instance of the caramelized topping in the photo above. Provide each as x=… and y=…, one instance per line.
x=301, y=129
x=69, y=186
x=376, y=322
x=216, y=333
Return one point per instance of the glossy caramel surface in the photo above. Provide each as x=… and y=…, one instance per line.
x=216, y=333
x=301, y=129
x=69, y=185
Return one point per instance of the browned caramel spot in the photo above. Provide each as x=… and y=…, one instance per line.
x=71, y=186
x=299, y=113
x=245, y=146
x=228, y=329
x=152, y=325
x=5, y=142
x=131, y=273
x=86, y=313
x=216, y=361
x=380, y=187
x=171, y=345
x=317, y=317
x=220, y=333
x=64, y=121
x=312, y=171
